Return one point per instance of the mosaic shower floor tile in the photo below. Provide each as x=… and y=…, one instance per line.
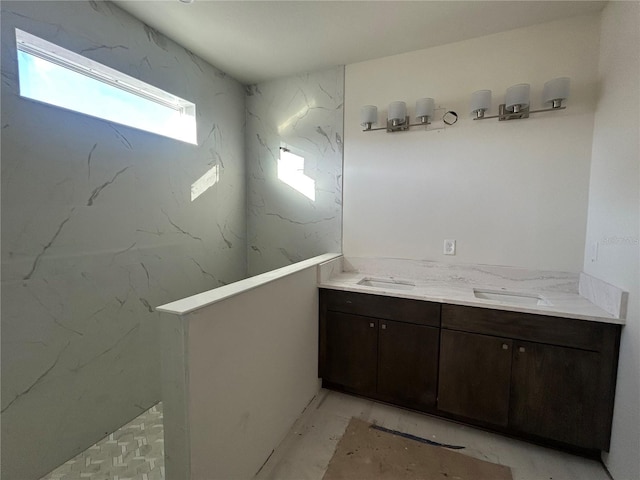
x=133, y=452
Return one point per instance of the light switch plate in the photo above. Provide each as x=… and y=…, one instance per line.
x=449, y=247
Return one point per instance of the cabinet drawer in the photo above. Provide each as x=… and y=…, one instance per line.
x=530, y=327
x=379, y=306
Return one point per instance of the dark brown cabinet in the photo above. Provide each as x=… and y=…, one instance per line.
x=474, y=376
x=546, y=379
x=558, y=387
x=352, y=352
x=408, y=363
x=554, y=393
x=363, y=351
x=542, y=390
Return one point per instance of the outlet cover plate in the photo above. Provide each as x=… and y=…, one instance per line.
x=449, y=247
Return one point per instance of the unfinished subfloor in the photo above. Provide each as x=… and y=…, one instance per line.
x=305, y=453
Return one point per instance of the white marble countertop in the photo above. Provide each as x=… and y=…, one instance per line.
x=454, y=284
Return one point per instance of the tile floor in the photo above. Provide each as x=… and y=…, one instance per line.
x=135, y=452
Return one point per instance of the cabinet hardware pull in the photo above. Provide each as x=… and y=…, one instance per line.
x=521, y=349
x=371, y=324
x=505, y=346
x=384, y=326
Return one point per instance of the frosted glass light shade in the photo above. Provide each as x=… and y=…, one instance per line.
x=397, y=111
x=517, y=95
x=425, y=107
x=368, y=114
x=480, y=101
x=556, y=89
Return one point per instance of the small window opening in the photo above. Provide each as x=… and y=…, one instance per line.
x=291, y=172
x=56, y=76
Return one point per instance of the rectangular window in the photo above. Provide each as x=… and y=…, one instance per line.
x=291, y=172
x=51, y=74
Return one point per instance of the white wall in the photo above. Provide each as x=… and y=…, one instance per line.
x=252, y=369
x=80, y=350
x=614, y=213
x=511, y=193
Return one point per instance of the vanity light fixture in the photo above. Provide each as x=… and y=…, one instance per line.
x=397, y=118
x=516, y=104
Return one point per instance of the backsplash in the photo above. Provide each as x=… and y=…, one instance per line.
x=610, y=298
x=303, y=113
x=437, y=273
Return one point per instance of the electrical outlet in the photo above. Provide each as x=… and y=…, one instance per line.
x=449, y=247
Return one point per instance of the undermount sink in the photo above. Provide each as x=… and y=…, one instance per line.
x=513, y=298
x=386, y=283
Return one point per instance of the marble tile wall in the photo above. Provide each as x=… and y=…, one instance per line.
x=98, y=228
x=305, y=114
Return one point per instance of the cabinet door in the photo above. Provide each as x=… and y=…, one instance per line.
x=474, y=378
x=554, y=394
x=408, y=363
x=351, y=352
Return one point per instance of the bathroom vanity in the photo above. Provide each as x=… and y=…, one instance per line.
x=541, y=376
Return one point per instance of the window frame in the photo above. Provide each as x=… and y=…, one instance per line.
x=50, y=52
x=298, y=181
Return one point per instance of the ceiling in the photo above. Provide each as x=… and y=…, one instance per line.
x=255, y=41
